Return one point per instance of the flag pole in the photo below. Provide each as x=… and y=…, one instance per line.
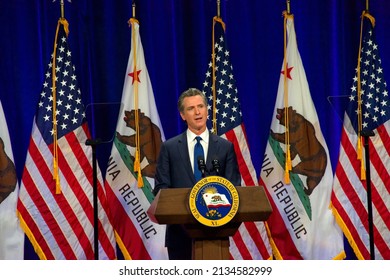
x=366, y=134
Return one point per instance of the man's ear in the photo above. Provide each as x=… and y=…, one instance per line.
x=182, y=116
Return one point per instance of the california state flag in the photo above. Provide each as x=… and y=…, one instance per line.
x=11, y=234
x=131, y=168
x=301, y=225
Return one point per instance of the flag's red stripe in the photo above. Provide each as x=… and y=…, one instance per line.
x=257, y=238
x=377, y=198
x=280, y=233
x=377, y=161
x=126, y=229
x=241, y=246
x=385, y=136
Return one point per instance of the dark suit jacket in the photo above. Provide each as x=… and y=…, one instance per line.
x=174, y=171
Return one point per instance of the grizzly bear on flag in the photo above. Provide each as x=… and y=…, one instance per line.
x=305, y=145
x=8, y=177
x=149, y=140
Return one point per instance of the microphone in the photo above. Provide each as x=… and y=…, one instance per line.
x=202, y=166
x=216, y=165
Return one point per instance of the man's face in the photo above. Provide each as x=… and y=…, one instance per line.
x=195, y=113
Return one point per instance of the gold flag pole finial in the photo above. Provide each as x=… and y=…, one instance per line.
x=62, y=9
x=367, y=5
x=218, y=8
x=133, y=5
x=288, y=7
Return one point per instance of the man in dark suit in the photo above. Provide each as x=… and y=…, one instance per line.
x=175, y=166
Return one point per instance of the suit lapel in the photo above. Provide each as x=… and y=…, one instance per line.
x=183, y=151
x=212, y=151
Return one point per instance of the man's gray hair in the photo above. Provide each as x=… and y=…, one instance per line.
x=190, y=92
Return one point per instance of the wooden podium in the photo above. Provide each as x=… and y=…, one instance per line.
x=171, y=206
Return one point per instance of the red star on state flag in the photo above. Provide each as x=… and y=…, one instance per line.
x=135, y=75
x=288, y=71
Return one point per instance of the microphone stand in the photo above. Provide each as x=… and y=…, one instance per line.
x=202, y=166
x=93, y=144
x=216, y=166
x=366, y=135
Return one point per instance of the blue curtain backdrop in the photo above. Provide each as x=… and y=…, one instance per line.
x=176, y=36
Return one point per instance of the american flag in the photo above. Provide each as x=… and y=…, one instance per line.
x=349, y=197
x=251, y=240
x=60, y=223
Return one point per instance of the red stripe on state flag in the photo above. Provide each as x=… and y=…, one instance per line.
x=126, y=230
x=280, y=232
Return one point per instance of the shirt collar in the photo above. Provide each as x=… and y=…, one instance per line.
x=191, y=136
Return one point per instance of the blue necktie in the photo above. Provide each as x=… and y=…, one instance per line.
x=198, y=151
